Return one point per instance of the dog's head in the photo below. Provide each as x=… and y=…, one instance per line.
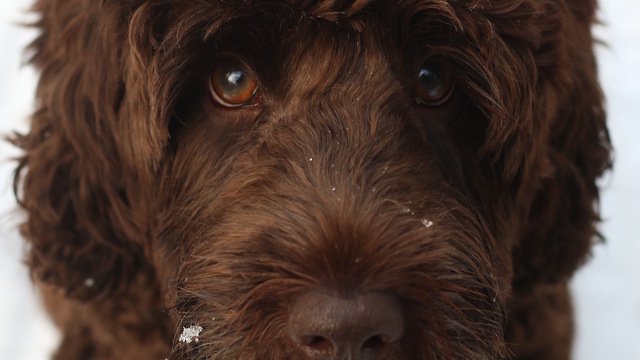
x=266, y=158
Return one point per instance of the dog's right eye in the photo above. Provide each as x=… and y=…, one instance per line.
x=433, y=84
x=233, y=84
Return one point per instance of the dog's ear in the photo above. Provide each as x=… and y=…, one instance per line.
x=561, y=224
x=547, y=141
x=76, y=180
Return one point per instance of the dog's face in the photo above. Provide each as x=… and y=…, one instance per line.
x=311, y=156
x=277, y=162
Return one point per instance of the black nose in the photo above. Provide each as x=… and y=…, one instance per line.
x=359, y=327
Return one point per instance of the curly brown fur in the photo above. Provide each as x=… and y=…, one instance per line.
x=150, y=208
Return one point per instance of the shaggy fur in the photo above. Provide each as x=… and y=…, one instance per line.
x=150, y=208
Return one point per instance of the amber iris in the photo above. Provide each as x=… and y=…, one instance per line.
x=233, y=84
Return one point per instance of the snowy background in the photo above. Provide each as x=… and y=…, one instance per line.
x=607, y=291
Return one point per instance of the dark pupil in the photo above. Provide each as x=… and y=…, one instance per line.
x=430, y=82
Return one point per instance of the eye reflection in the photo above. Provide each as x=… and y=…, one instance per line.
x=233, y=84
x=433, y=85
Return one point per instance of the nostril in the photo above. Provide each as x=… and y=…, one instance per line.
x=317, y=343
x=376, y=342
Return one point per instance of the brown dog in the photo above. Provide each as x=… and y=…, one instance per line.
x=332, y=179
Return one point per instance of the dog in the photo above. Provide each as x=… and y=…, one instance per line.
x=312, y=179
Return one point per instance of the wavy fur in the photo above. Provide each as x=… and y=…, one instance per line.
x=149, y=208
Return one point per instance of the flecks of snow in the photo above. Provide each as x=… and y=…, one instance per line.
x=190, y=334
x=427, y=223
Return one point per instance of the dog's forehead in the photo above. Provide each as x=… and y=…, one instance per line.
x=312, y=32
x=353, y=14
x=342, y=9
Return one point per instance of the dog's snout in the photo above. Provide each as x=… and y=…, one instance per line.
x=359, y=327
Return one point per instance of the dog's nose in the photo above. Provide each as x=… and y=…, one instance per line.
x=359, y=327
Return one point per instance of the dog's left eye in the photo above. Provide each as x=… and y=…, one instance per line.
x=233, y=84
x=433, y=84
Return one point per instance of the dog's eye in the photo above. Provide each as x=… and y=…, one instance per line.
x=433, y=84
x=233, y=84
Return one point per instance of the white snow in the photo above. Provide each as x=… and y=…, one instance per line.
x=190, y=334
x=606, y=291
x=89, y=282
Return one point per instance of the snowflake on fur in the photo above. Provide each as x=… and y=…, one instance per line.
x=190, y=334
